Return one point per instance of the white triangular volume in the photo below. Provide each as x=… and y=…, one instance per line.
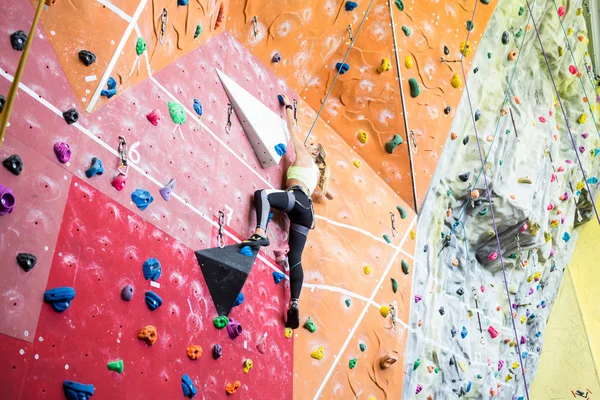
x=264, y=128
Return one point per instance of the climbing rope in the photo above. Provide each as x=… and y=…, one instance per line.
x=564, y=112
x=491, y=206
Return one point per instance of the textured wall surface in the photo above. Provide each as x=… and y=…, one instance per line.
x=538, y=195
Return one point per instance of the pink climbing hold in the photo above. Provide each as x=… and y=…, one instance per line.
x=543, y=120
x=418, y=298
x=493, y=256
x=551, y=252
x=419, y=388
x=493, y=332
x=561, y=169
x=523, y=340
x=500, y=364
x=550, y=112
x=154, y=117
x=553, y=177
x=482, y=288
x=572, y=69
x=62, y=151
x=119, y=182
x=562, y=11
x=581, y=149
x=585, y=135
x=550, y=207
x=523, y=228
x=531, y=290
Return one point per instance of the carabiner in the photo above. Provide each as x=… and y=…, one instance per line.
x=122, y=149
x=229, y=112
x=220, y=241
x=164, y=18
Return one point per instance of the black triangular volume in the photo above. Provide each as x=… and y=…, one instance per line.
x=26, y=261
x=225, y=272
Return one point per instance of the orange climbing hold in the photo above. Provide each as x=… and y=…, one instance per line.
x=512, y=55
x=220, y=16
x=453, y=136
x=517, y=99
x=474, y=194
x=580, y=38
x=148, y=334
x=231, y=388
x=194, y=352
x=455, y=262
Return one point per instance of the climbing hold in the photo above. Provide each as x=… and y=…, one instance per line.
x=318, y=353
x=385, y=311
x=406, y=30
x=505, y=37
x=154, y=117
x=177, y=112
x=453, y=331
x=414, y=88
x=231, y=388
x=348, y=302
x=287, y=332
x=394, y=285
x=387, y=238
x=521, y=10
x=246, y=251
x=416, y=364
x=474, y=194
x=247, y=365
x=463, y=332
x=470, y=25
x=234, y=328
x=592, y=180
x=512, y=55
x=152, y=269
x=483, y=212
x=198, y=31
x=220, y=16
x=217, y=351
x=127, y=292
x=309, y=325
x=71, y=116
x=357, y=163
x=489, y=55
x=446, y=50
x=166, y=191
x=465, y=48
x=278, y=276
x=26, y=261
x=442, y=311
x=477, y=114
x=399, y=5
x=342, y=68
x=572, y=69
x=77, y=391
x=561, y=11
x=351, y=5
x=493, y=256
x=464, y=177
x=455, y=260
x=352, y=363
x=405, y=267
x=198, y=107
x=18, y=40
x=460, y=291
x=485, y=2
x=566, y=237
x=367, y=269
x=401, y=211
x=116, y=366
x=220, y=322
x=194, y=352
x=387, y=360
x=59, y=298
x=280, y=149
x=148, y=334
x=276, y=58
x=182, y=2
x=413, y=235
x=111, y=84
x=525, y=179
x=476, y=70
x=153, y=301
x=447, y=111
x=456, y=82
x=408, y=62
x=582, y=118
x=119, y=182
x=14, y=164
x=392, y=144
x=465, y=140
x=87, y=57
x=418, y=389
x=189, y=390
x=96, y=168
x=142, y=198
x=239, y=299
x=362, y=347
x=363, y=136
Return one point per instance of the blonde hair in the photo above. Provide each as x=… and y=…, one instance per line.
x=320, y=160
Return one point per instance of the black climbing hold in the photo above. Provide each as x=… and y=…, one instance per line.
x=453, y=332
x=470, y=25
x=442, y=311
x=452, y=362
x=2, y=102
x=217, y=351
x=71, y=116
x=447, y=110
x=477, y=114
x=466, y=140
x=505, y=37
x=446, y=50
x=464, y=177
x=225, y=272
x=486, y=2
x=14, y=164
x=276, y=58
x=18, y=40
x=476, y=70
x=26, y=261
x=460, y=291
x=425, y=248
x=127, y=292
x=87, y=57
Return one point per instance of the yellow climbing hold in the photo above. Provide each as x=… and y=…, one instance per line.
x=385, y=311
x=580, y=185
x=547, y=237
x=515, y=365
x=247, y=365
x=465, y=48
x=534, y=228
x=512, y=343
x=529, y=278
x=561, y=51
x=582, y=118
x=385, y=65
x=569, y=31
x=508, y=377
x=367, y=269
x=579, y=11
x=357, y=163
x=462, y=366
x=523, y=319
x=408, y=62
x=525, y=179
x=490, y=232
x=413, y=235
x=318, y=353
x=456, y=82
x=554, y=223
x=287, y=332
x=537, y=276
x=363, y=136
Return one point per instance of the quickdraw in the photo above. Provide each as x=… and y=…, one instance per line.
x=474, y=290
x=255, y=25
x=164, y=18
x=521, y=261
x=393, y=308
x=295, y=110
x=122, y=149
x=220, y=241
x=414, y=140
x=349, y=29
x=229, y=112
x=393, y=217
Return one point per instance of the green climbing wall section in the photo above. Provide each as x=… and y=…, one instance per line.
x=461, y=324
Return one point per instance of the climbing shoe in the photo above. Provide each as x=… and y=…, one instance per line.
x=255, y=241
x=293, y=316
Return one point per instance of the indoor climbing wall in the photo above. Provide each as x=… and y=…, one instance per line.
x=466, y=337
x=303, y=41
x=88, y=235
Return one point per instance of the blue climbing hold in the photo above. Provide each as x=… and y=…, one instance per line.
x=280, y=98
x=463, y=332
x=351, y=5
x=112, y=88
x=524, y=354
x=278, y=276
x=280, y=149
x=342, y=68
x=182, y=2
x=153, y=301
x=198, y=107
x=468, y=386
x=77, y=391
x=142, y=198
x=592, y=180
x=152, y=269
x=189, y=390
x=246, y=251
x=239, y=300
x=59, y=298
x=596, y=152
x=566, y=237
x=96, y=169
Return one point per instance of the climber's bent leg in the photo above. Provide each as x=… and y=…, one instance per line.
x=297, y=242
x=264, y=200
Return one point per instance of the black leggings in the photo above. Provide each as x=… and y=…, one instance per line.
x=298, y=207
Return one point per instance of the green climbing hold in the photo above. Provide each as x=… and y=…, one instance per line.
x=177, y=113
x=362, y=347
x=198, y=31
x=513, y=255
x=220, y=322
x=448, y=192
x=414, y=88
x=483, y=212
x=399, y=208
x=490, y=56
x=387, y=238
x=521, y=10
x=391, y=146
x=309, y=325
x=352, y=363
x=501, y=162
x=519, y=33
x=348, y=302
x=140, y=46
x=416, y=364
x=486, y=2
x=116, y=366
x=442, y=234
x=404, y=267
x=436, y=370
x=470, y=25
x=399, y=5
x=406, y=30
x=394, y=285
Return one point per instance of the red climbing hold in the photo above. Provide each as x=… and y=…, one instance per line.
x=573, y=69
x=220, y=16
x=154, y=117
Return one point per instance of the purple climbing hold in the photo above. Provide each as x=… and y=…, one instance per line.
x=26, y=261
x=141, y=198
x=278, y=276
x=96, y=169
x=7, y=200
x=127, y=292
x=217, y=351
x=71, y=116
x=418, y=298
x=166, y=191
x=18, y=40
x=523, y=340
x=276, y=58
x=62, y=151
x=14, y=164
x=234, y=328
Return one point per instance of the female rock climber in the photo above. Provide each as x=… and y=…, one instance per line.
x=307, y=176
